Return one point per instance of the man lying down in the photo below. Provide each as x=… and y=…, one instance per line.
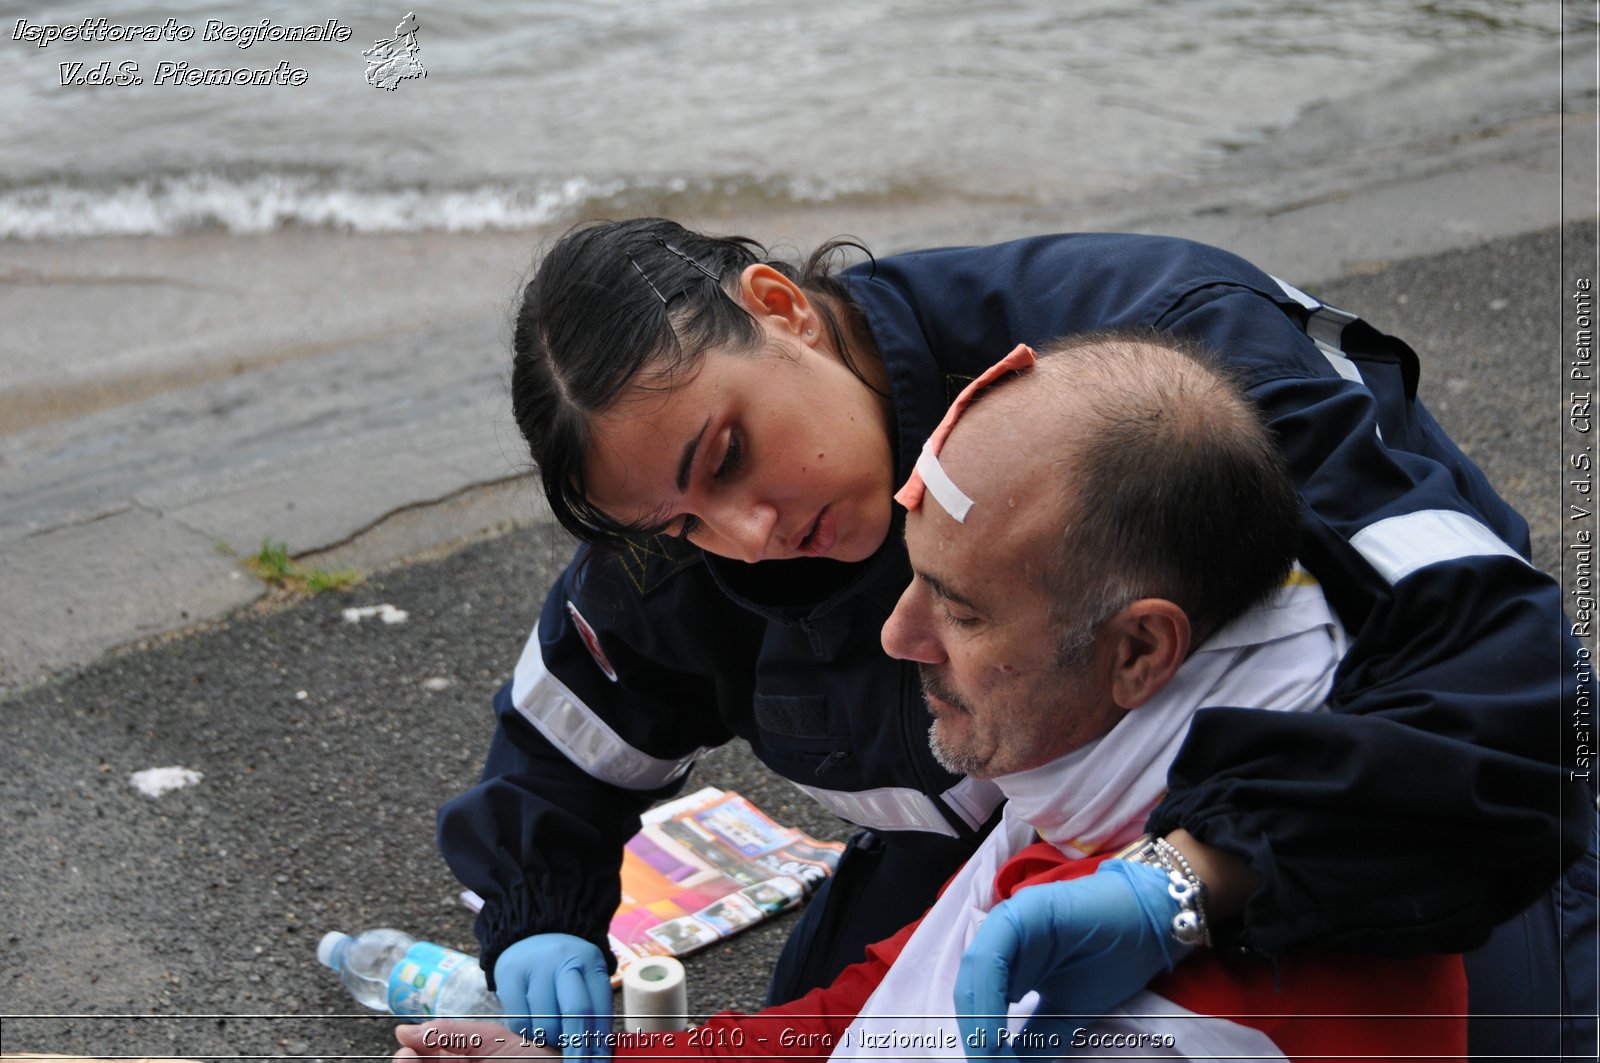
x=1102, y=541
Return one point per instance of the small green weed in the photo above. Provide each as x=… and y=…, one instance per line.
x=272, y=564
x=319, y=580
x=274, y=567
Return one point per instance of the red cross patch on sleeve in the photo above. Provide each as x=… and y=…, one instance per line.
x=592, y=641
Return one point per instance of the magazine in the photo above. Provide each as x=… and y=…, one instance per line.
x=703, y=867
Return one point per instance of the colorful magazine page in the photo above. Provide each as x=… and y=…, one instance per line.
x=709, y=865
x=705, y=866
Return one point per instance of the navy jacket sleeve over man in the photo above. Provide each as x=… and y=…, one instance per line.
x=1430, y=805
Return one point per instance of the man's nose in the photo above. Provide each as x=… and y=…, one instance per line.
x=908, y=634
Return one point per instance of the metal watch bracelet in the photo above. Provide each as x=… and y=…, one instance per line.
x=1189, y=925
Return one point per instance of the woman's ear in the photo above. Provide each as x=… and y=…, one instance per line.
x=1149, y=640
x=768, y=294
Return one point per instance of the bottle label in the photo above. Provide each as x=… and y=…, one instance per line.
x=415, y=981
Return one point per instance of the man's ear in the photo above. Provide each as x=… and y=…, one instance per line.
x=766, y=293
x=1149, y=640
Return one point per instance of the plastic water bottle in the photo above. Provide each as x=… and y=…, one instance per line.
x=389, y=970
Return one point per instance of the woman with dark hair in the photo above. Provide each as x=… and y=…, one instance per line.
x=725, y=431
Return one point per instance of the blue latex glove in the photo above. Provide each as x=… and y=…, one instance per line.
x=1086, y=945
x=560, y=986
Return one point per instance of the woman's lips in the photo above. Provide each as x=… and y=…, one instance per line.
x=824, y=532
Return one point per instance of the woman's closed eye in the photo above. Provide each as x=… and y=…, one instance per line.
x=732, y=460
x=732, y=457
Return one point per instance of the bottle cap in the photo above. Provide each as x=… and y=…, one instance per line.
x=329, y=945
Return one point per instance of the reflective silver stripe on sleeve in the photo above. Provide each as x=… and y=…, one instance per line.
x=1399, y=546
x=1341, y=365
x=974, y=800
x=585, y=739
x=1326, y=328
x=886, y=808
x=1296, y=294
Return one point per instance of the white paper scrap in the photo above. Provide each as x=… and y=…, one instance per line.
x=153, y=782
x=387, y=613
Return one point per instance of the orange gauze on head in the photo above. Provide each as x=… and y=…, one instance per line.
x=928, y=475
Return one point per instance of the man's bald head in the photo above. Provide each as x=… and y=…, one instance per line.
x=1134, y=468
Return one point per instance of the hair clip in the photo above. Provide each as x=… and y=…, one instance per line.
x=647, y=280
x=688, y=259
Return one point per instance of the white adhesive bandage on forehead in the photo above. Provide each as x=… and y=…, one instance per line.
x=929, y=475
x=940, y=486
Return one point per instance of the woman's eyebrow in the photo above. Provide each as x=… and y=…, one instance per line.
x=686, y=462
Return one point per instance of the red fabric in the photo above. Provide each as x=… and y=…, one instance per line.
x=1328, y=1008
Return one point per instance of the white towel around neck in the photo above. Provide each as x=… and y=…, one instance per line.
x=1280, y=656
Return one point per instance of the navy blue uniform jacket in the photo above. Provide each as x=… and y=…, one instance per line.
x=1431, y=804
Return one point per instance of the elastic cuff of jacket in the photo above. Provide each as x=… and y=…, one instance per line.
x=517, y=915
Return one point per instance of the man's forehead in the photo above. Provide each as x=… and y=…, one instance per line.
x=939, y=549
x=998, y=538
x=998, y=456
x=994, y=576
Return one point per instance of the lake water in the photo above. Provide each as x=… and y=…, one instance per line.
x=536, y=110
